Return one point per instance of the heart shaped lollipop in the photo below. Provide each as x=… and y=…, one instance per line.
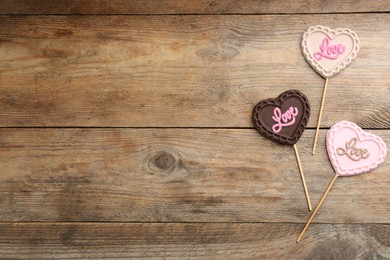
x=328, y=52
x=351, y=151
x=283, y=119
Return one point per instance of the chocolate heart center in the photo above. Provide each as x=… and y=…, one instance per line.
x=284, y=118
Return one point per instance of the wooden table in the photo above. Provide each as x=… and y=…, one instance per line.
x=126, y=131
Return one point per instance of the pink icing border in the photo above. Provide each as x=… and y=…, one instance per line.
x=332, y=151
x=331, y=34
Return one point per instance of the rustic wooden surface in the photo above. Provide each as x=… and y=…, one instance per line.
x=187, y=71
x=189, y=6
x=183, y=175
x=129, y=136
x=193, y=240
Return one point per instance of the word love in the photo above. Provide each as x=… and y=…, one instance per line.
x=285, y=119
x=353, y=153
x=327, y=51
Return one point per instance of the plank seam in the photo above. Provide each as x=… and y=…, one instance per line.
x=197, y=14
x=157, y=127
x=178, y=222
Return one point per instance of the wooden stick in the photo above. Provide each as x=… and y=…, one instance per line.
x=302, y=177
x=320, y=115
x=318, y=206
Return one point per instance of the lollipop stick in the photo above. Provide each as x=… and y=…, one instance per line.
x=302, y=177
x=320, y=115
x=318, y=206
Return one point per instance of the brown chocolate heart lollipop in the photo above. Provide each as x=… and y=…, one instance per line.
x=283, y=119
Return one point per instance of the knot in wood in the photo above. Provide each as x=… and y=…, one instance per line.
x=162, y=162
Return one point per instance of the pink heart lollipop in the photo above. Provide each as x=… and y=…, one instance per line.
x=351, y=151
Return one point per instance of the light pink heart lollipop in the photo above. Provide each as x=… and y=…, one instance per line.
x=328, y=52
x=351, y=151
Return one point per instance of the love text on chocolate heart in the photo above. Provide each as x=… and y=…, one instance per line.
x=285, y=119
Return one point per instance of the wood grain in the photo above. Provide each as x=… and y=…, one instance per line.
x=188, y=7
x=173, y=168
x=200, y=241
x=177, y=175
x=180, y=71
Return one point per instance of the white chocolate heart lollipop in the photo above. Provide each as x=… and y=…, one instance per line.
x=328, y=52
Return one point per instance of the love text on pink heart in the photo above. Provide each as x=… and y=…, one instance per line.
x=352, y=152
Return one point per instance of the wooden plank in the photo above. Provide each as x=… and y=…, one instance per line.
x=186, y=71
x=188, y=7
x=200, y=241
x=170, y=175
